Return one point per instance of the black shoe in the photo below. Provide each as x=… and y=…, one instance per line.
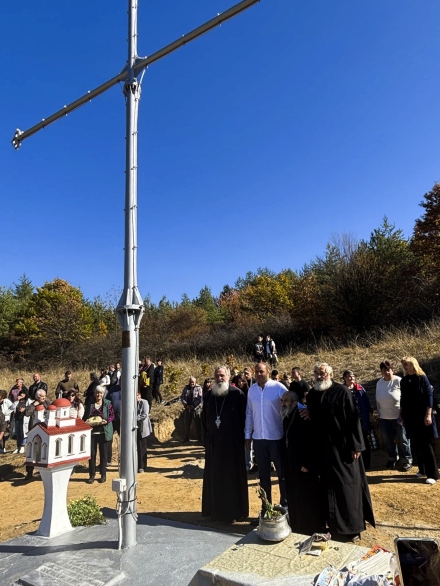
x=90, y=480
x=102, y=479
x=253, y=470
x=406, y=467
x=390, y=465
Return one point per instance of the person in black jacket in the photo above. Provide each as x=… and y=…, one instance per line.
x=416, y=404
x=258, y=350
x=306, y=514
x=36, y=386
x=158, y=380
x=146, y=379
x=89, y=394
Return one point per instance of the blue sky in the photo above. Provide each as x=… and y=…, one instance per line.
x=294, y=121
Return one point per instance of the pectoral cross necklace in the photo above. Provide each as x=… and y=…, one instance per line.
x=218, y=420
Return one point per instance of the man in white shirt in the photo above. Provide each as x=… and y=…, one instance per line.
x=264, y=426
x=391, y=424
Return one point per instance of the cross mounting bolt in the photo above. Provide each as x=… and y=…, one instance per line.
x=132, y=87
x=16, y=141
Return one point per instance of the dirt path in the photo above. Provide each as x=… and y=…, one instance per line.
x=172, y=489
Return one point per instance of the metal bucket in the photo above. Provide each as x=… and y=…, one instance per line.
x=274, y=529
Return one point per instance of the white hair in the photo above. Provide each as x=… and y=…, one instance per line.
x=328, y=369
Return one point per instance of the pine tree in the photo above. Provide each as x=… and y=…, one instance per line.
x=425, y=242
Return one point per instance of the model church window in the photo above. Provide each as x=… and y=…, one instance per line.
x=70, y=445
x=58, y=447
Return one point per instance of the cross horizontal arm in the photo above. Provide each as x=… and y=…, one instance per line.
x=141, y=63
x=19, y=136
x=194, y=34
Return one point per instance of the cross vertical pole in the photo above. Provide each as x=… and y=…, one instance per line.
x=130, y=307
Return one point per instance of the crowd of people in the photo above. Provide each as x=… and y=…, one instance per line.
x=317, y=438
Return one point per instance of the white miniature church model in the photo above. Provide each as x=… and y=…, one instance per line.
x=54, y=445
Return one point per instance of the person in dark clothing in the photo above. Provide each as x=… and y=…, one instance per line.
x=16, y=389
x=89, y=394
x=157, y=381
x=146, y=379
x=225, y=492
x=364, y=409
x=338, y=443
x=258, y=351
x=416, y=403
x=113, y=374
x=192, y=399
x=40, y=399
x=270, y=351
x=101, y=432
x=300, y=470
x=114, y=396
x=36, y=386
x=64, y=386
x=298, y=385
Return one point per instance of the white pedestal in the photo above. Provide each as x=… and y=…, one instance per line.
x=55, y=520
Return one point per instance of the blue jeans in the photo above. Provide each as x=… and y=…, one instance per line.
x=396, y=442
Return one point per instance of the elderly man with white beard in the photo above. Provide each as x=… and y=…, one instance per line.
x=225, y=492
x=338, y=443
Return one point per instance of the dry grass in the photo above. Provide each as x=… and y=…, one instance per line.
x=363, y=358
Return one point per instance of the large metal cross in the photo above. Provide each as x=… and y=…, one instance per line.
x=130, y=307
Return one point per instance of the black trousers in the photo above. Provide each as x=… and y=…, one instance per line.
x=267, y=451
x=98, y=441
x=147, y=394
x=421, y=447
x=142, y=451
x=156, y=393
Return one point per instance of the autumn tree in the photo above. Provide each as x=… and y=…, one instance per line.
x=269, y=294
x=58, y=317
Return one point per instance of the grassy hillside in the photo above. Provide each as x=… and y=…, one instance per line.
x=363, y=359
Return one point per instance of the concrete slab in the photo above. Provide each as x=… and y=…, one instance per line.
x=168, y=554
x=252, y=561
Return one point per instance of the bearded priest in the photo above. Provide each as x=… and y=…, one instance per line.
x=225, y=492
x=338, y=443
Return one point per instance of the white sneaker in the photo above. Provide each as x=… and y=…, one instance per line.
x=21, y=451
x=431, y=481
x=15, y=451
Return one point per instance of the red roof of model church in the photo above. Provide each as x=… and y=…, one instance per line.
x=55, y=430
x=61, y=403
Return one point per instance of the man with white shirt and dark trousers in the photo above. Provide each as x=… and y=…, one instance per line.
x=264, y=426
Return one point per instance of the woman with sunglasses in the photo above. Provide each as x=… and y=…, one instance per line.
x=77, y=406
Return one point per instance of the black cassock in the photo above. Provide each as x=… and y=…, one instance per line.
x=303, y=488
x=336, y=433
x=225, y=490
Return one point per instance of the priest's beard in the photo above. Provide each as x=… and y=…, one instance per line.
x=220, y=389
x=323, y=385
x=285, y=411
